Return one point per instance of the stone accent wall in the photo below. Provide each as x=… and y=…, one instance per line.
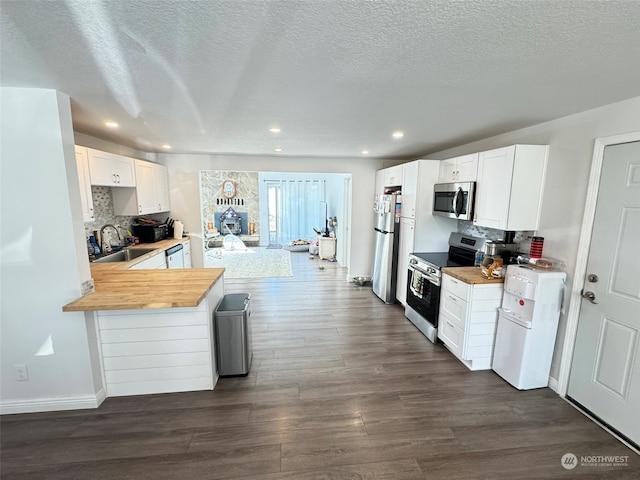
x=213, y=202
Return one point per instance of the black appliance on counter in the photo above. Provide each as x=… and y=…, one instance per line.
x=423, y=287
x=149, y=233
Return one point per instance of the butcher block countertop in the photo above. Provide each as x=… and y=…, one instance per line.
x=117, y=288
x=470, y=275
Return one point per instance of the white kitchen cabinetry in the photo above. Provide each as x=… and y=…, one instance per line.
x=459, y=169
x=405, y=247
x=509, y=187
x=156, y=262
x=110, y=170
x=389, y=177
x=420, y=231
x=467, y=320
x=86, y=198
x=151, y=194
x=186, y=250
x=379, y=182
x=410, y=186
x=160, y=350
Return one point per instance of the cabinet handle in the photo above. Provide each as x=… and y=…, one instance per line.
x=114, y=178
x=118, y=178
x=450, y=325
x=451, y=297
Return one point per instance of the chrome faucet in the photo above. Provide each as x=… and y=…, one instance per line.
x=102, y=242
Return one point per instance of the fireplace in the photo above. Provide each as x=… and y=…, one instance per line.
x=231, y=222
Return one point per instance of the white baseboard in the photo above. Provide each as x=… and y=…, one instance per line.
x=553, y=384
x=52, y=404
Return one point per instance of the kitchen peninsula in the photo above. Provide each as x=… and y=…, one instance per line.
x=154, y=327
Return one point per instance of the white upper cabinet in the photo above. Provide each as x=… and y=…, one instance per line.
x=509, y=187
x=459, y=169
x=379, y=182
x=161, y=186
x=393, y=176
x=110, y=170
x=389, y=177
x=86, y=198
x=151, y=194
x=410, y=187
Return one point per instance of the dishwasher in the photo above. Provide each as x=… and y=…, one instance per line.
x=175, y=257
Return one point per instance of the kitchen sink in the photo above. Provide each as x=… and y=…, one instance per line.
x=124, y=255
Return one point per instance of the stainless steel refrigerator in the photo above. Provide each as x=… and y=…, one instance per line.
x=387, y=229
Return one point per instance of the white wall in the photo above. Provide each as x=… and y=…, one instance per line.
x=571, y=140
x=43, y=258
x=185, y=197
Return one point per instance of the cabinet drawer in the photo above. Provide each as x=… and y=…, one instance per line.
x=451, y=334
x=454, y=307
x=457, y=287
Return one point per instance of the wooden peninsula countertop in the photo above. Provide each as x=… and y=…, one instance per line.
x=117, y=288
x=470, y=275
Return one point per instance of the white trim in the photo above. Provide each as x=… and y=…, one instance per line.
x=53, y=403
x=553, y=384
x=580, y=271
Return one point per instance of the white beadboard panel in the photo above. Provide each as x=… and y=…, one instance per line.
x=480, y=340
x=485, y=305
x=154, y=348
x=159, y=373
x=488, y=328
x=487, y=292
x=480, y=351
x=146, y=321
x=154, y=361
x=153, y=334
x=160, y=386
x=485, y=317
x=155, y=311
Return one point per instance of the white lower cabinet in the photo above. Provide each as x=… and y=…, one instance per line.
x=467, y=320
x=186, y=250
x=158, y=261
x=160, y=350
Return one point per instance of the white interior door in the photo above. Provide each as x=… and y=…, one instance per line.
x=605, y=371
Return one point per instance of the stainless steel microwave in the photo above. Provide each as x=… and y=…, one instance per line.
x=454, y=200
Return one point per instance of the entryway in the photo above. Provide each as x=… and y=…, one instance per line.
x=605, y=369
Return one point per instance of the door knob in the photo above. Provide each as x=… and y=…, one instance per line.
x=589, y=296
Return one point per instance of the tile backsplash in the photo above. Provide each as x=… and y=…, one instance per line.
x=468, y=228
x=103, y=214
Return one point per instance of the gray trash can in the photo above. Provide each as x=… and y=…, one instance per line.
x=232, y=325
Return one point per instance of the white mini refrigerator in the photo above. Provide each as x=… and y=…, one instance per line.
x=527, y=325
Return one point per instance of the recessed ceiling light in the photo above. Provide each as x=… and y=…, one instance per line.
x=365, y=152
x=275, y=130
x=397, y=134
x=111, y=124
x=166, y=146
x=278, y=149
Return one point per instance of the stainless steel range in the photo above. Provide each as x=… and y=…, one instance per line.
x=423, y=286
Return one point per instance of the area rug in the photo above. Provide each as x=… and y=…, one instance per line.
x=254, y=262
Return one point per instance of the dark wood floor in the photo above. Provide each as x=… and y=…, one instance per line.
x=341, y=387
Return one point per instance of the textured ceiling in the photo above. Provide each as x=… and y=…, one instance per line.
x=337, y=76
